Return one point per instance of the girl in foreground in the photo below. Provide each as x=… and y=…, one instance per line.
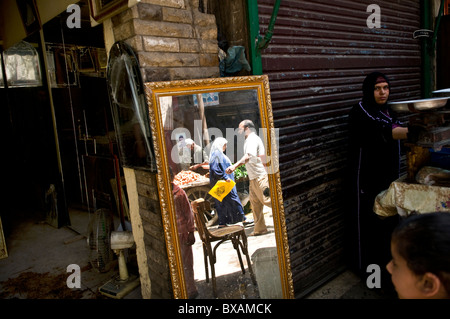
x=420, y=265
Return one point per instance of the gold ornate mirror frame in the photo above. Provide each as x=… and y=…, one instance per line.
x=157, y=90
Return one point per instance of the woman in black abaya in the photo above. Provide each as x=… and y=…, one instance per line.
x=375, y=136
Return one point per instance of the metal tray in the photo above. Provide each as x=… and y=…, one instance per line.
x=443, y=92
x=419, y=105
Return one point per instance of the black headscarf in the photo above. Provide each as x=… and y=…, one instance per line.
x=368, y=89
x=374, y=112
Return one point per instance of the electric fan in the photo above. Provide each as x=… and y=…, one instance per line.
x=103, y=241
x=99, y=236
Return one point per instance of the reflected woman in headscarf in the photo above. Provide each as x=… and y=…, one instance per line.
x=230, y=210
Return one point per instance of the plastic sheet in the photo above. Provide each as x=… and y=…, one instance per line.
x=234, y=61
x=405, y=198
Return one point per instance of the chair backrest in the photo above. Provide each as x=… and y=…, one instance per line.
x=199, y=206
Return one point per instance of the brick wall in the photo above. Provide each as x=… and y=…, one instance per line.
x=173, y=41
x=155, y=245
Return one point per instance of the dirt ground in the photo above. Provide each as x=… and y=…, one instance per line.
x=31, y=285
x=39, y=254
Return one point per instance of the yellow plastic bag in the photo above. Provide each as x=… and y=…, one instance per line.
x=221, y=189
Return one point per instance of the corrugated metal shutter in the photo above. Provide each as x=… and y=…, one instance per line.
x=320, y=53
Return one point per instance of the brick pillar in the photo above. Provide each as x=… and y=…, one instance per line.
x=173, y=41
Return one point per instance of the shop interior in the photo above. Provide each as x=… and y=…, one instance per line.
x=63, y=162
x=55, y=132
x=61, y=153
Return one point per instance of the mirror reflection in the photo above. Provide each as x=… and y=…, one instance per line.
x=216, y=157
x=129, y=108
x=203, y=140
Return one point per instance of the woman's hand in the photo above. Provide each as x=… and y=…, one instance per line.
x=400, y=133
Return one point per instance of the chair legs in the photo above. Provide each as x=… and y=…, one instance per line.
x=250, y=269
x=213, y=277
x=205, y=258
x=236, y=244
x=209, y=254
x=210, y=259
x=245, y=251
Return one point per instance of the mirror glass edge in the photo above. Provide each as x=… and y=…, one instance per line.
x=165, y=197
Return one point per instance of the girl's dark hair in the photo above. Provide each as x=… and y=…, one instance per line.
x=424, y=242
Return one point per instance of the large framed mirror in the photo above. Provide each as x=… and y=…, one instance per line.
x=189, y=119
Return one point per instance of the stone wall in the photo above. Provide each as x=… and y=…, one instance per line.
x=173, y=41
